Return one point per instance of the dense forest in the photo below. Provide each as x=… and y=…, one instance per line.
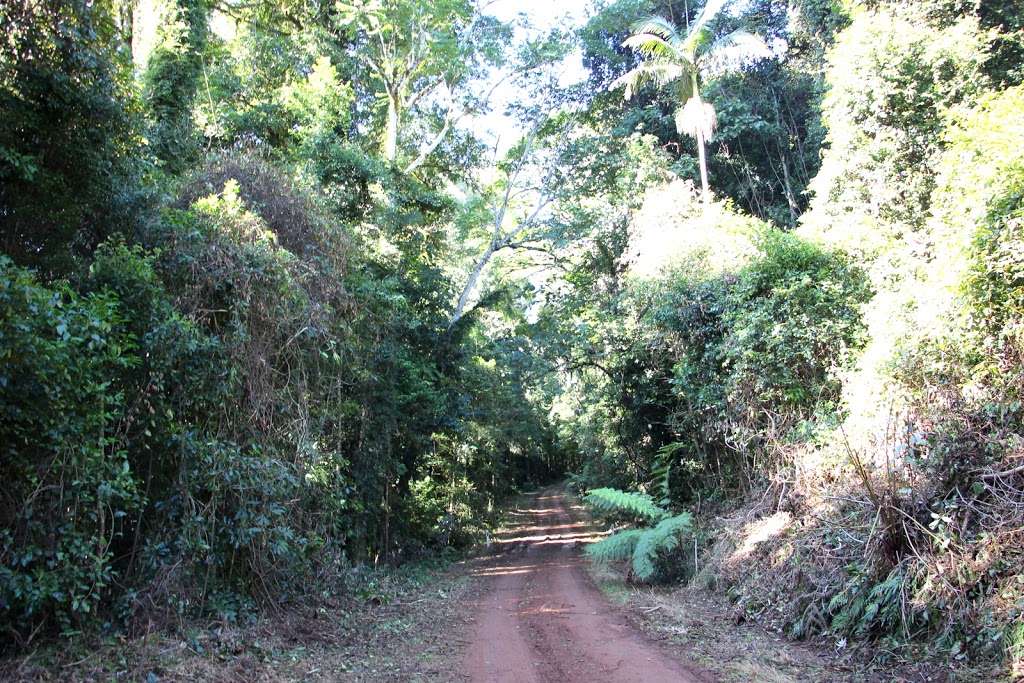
x=273, y=305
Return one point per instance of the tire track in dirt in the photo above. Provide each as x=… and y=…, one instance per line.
x=540, y=620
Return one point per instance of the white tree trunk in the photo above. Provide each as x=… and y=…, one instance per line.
x=391, y=134
x=471, y=284
x=703, y=166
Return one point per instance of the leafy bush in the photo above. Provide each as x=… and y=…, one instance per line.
x=756, y=351
x=986, y=174
x=894, y=71
x=792, y=316
x=70, y=492
x=69, y=144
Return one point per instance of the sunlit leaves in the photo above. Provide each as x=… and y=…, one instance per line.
x=416, y=51
x=894, y=76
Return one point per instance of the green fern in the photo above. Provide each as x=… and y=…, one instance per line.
x=645, y=545
x=1015, y=644
x=579, y=482
x=612, y=500
x=889, y=596
x=618, y=546
x=847, y=606
x=665, y=537
x=861, y=608
x=662, y=471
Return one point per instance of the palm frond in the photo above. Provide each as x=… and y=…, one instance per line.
x=652, y=47
x=734, y=51
x=658, y=73
x=662, y=28
x=706, y=14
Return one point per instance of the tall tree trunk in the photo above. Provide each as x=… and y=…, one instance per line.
x=794, y=209
x=391, y=134
x=471, y=283
x=701, y=126
x=704, y=196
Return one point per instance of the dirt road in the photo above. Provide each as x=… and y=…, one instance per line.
x=540, y=620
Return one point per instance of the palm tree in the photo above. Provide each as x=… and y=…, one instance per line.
x=673, y=58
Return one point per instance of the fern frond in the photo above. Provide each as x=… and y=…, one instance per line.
x=889, y=595
x=798, y=630
x=867, y=619
x=841, y=622
x=661, y=473
x=616, y=547
x=662, y=477
x=890, y=588
x=841, y=599
x=664, y=537
x=607, y=500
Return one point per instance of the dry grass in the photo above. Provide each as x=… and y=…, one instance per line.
x=761, y=671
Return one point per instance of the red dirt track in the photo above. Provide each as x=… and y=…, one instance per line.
x=540, y=619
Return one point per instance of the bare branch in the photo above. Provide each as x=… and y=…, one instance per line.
x=991, y=476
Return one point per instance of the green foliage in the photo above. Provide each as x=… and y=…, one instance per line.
x=606, y=500
x=68, y=133
x=655, y=542
x=266, y=86
x=618, y=546
x=257, y=547
x=703, y=366
x=894, y=73
x=865, y=608
x=753, y=351
x=1015, y=644
x=646, y=546
x=791, y=316
x=172, y=80
x=661, y=473
x=70, y=489
x=320, y=104
x=921, y=186
x=265, y=380
x=417, y=50
x=769, y=133
x=673, y=58
x=769, y=121
x=987, y=177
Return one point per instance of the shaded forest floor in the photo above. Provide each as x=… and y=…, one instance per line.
x=398, y=629
x=417, y=627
